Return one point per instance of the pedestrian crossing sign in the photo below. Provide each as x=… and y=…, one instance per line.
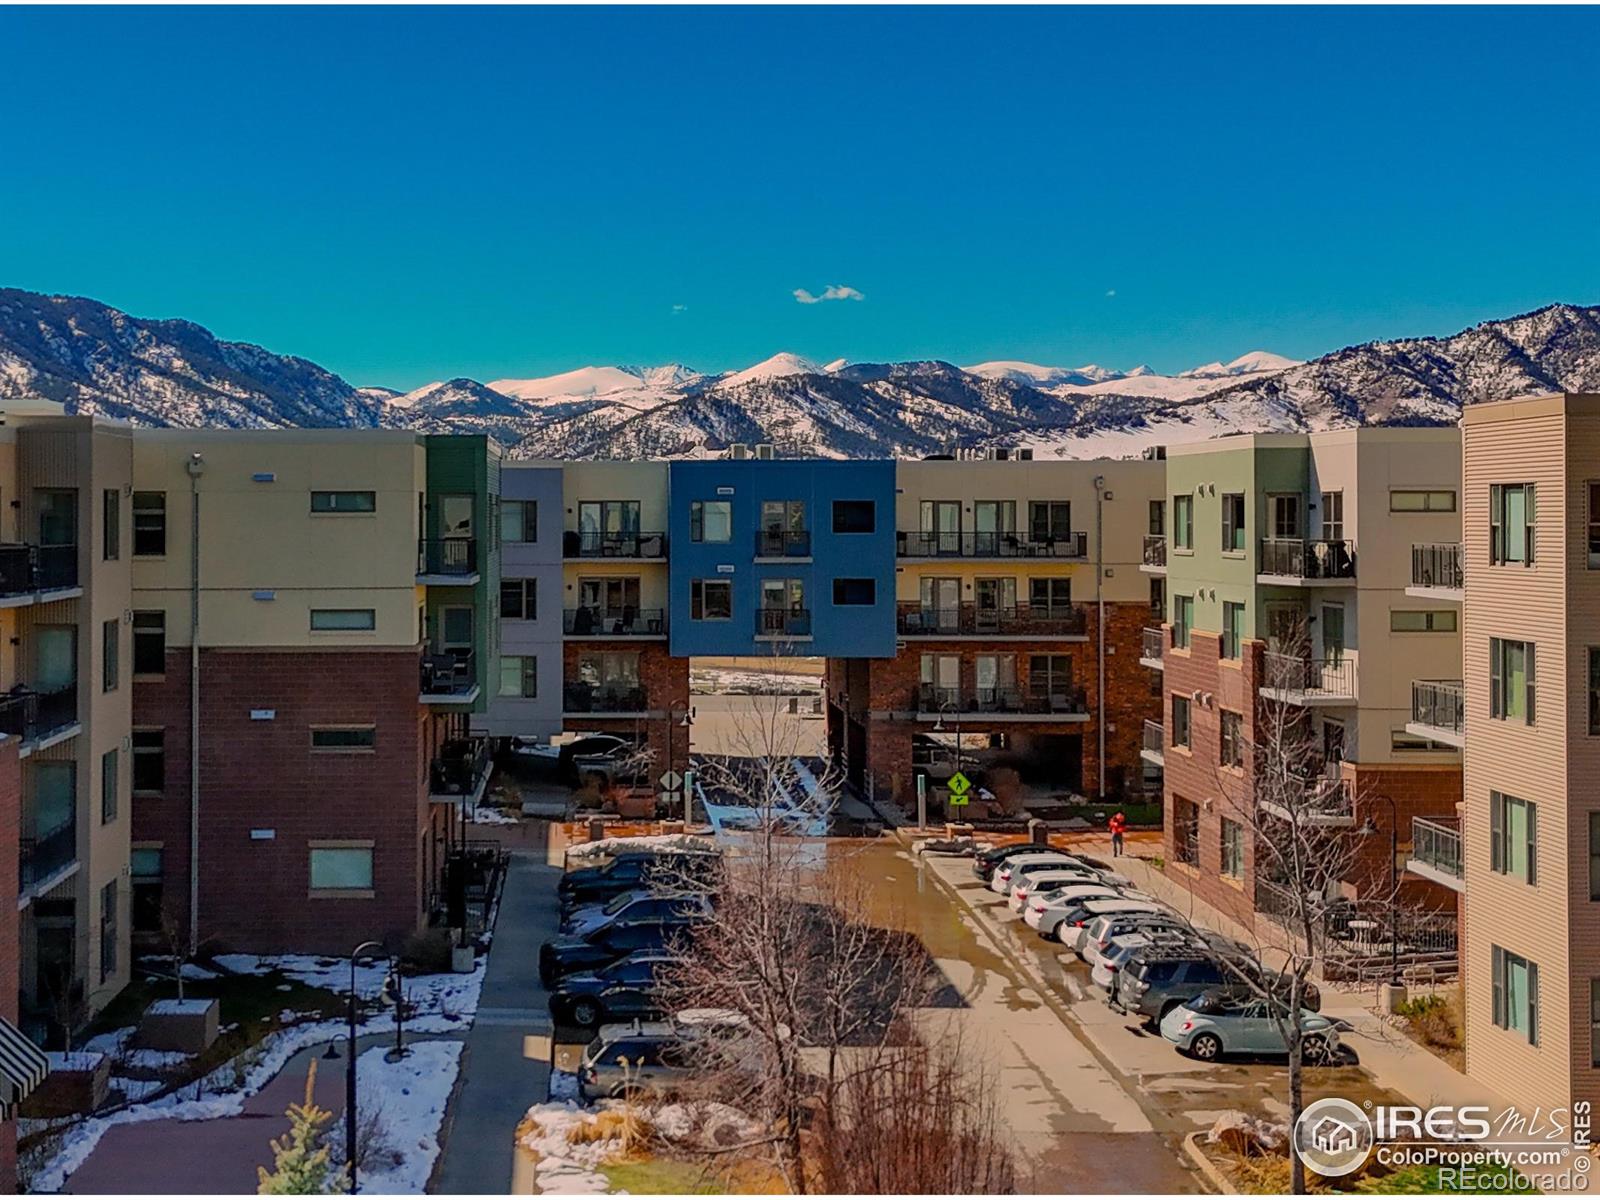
x=959, y=786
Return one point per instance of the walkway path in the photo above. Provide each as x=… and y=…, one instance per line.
x=498, y=1080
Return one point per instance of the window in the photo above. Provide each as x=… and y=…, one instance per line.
x=854, y=516
x=711, y=521
x=1511, y=523
x=110, y=647
x=1180, y=720
x=1231, y=739
x=519, y=676
x=1511, y=681
x=1233, y=522
x=1285, y=510
x=1414, y=500
x=1182, y=620
x=332, y=620
x=519, y=520
x=1513, y=837
x=1594, y=856
x=710, y=600
x=1594, y=690
x=1183, y=522
x=855, y=591
x=1232, y=849
x=144, y=871
x=1051, y=597
x=108, y=787
x=108, y=931
x=1049, y=520
x=1158, y=597
x=1232, y=628
x=1158, y=518
x=1594, y=1022
x=111, y=522
x=1186, y=831
x=613, y=672
x=58, y=516
x=1333, y=516
x=344, y=502
x=149, y=760
x=519, y=599
x=1049, y=675
x=345, y=737
x=149, y=643
x=1442, y=620
x=1515, y=993
x=341, y=868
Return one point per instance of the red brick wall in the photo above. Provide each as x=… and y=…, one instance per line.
x=665, y=679
x=1431, y=790
x=10, y=942
x=264, y=775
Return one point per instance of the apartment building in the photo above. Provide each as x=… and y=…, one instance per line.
x=1530, y=835
x=1287, y=563
x=314, y=626
x=1019, y=609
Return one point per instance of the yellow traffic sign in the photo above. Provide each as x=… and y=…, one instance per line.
x=959, y=784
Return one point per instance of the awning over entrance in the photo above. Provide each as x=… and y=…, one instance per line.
x=23, y=1067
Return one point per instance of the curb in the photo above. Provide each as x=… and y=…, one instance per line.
x=1202, y=1162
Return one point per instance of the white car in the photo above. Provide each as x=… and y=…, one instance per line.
x=1045, y=910
x=1110, y=960
x=1047, y=878
x=1074, y=928
x=1105, y=929
x=1001, y=883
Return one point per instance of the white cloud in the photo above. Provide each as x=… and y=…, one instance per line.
x=1111, y=293
x=679, y=308
x=835, y=291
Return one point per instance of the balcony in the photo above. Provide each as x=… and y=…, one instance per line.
x=1437, y=571
x=783, y=543
x=594, y=544
x=969, y=620
x=781, y=624
x=1073, y=545
x=26, y=571
x=1439, y=711
x=461, y=771
x=450, y=678
x=1153, y=749
x=1000, y=703
x=614, y=622
x=1152, y=646
x=48, y=859
x=1296, y=679
x=1436, y=850
x=39, y=719
x=1294, y=563
x=601, y=699
x=448, y=561
x=1155, y=554
x=1317, y=801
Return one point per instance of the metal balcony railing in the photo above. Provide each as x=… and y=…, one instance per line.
x=1438, y=565
x=1436, y=843
x=25, y=568
x=1308, y=678
x=592, y=544
x=933, y=700
x=1155, y=549
x=1309, y=800
x=969, y=619
x=1153, y=644
x=783, y=543
x=453, y=673
x=1293, y=558
x=48, y=853
x=1155, y=738
x=459, y=768
x=933, y=544
x=447, y=556
x=30, y=716
x=606, y=698
x=614, y=622
x=1439, y=704
x=783, y=622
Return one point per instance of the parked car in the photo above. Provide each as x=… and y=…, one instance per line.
x=1045, y=911
x=1000, y=882
x=660, y=1055
x=1103, y=930
x=569, y=955
x=1074, y=927
x=622, y=991
x=984, y=862
x=635, y=870
x=1108, y=961
x=559, y=757
x=1215, y=1023
x=1029, y=881
x=634, y=906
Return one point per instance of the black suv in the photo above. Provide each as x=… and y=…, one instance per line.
x=1157, y=979
x=567, y=956
x=636, y=869
x=623, y=991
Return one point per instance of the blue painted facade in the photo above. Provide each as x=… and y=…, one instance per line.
x=784, y=597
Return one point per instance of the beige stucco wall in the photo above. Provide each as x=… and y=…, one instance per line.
x=645, y=482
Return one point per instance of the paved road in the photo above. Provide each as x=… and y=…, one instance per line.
x=499, y=1081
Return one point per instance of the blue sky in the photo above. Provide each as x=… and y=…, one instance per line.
x=410, y=194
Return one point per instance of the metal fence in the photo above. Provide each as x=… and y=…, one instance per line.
x=1295, y=558
x=1437, y=565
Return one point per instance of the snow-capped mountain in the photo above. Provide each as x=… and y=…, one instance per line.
x=91, y=358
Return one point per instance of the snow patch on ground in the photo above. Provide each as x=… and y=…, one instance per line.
x=563, y=1168
x=484, y=815
x=606, y=847
x=415, y=1091
x=436, y=999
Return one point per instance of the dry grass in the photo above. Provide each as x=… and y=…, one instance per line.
x=1434, y=1020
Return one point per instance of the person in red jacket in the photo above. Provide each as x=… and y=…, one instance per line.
x=1118, y=827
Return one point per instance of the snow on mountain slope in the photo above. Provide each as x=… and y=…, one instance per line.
x=776, y=367
x=585, y=381
x=1034, y=375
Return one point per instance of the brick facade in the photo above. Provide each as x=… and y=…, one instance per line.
x=665, y=680
x=260, y=775
x=878, y=694
x=10, y=936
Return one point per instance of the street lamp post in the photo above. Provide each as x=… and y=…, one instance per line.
x=953, y=707
x=685, y=722
x=1369, y=827
x=350, y=1065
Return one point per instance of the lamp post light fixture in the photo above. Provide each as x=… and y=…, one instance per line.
x=1369, y=827
x=953, y=707
x=363, y=949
